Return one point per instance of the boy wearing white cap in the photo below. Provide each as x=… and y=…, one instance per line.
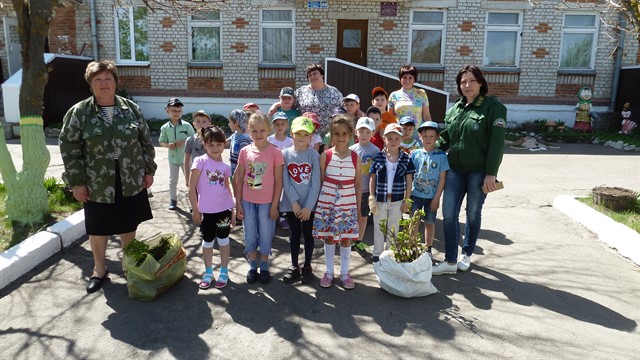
x=366, y=151
x=431, y=171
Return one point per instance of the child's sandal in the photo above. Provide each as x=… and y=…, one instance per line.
x=206, y=281
x=222, y=281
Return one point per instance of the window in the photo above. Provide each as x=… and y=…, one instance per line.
x=427, y=37
x=502, y=47
x=578, y=41
x=276, y=36
x=132, y=40
x=204, y=41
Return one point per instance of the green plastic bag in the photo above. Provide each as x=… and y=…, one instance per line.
x=152, y=278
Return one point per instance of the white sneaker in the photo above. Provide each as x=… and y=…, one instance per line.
x=444, y=268
x=464, y=263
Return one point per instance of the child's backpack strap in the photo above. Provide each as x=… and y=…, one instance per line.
x=328, y=157
x=354, y=157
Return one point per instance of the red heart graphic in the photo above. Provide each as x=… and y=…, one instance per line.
x=300, y=173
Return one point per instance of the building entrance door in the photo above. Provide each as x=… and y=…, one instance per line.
x=352, y=41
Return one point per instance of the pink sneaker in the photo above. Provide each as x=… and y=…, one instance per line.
x=347, y=282
x=327, y=280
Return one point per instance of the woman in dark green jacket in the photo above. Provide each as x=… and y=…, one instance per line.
x=475, y=138
x=109, y=162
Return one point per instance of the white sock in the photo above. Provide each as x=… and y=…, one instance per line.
x=345, y=253
x=329, y=256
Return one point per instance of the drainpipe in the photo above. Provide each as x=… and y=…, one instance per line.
x=618, y=64
x=94, y=33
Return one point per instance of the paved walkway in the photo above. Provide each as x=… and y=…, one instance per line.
x=540, y=285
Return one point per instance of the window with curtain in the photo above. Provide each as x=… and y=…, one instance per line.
x=204, y=42
x=502, y=39
x=578, y=41
x=132, y=36
x=427, y=37
x=276, y=36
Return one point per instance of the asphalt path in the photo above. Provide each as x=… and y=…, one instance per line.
x=540, y=286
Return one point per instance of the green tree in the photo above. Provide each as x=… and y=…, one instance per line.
x=26, y=195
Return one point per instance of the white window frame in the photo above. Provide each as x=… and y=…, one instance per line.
x=204, y=24
x=516, y=28
x=577, y=30
x=279, y=25
x=119, y=60
x=437, y=27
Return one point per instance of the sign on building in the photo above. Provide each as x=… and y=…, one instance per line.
x=318, y=4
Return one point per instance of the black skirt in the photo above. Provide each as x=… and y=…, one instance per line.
x=121, y=217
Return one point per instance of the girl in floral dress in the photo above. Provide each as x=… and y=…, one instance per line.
x=336, y=215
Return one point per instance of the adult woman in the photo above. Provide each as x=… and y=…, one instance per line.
x=318, y=97
x=108, y=158
x=409, y=100
x=475, y=137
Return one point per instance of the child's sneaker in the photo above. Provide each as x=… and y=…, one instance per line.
x=284, y=224
x=173, y=205
x=307, y=275
x=327, y=280
x=252, y=276
x=265, y=276
x=347, y=282
x=292, y=275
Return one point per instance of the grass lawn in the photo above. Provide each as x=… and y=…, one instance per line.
x=631, y=218
x=61, y=205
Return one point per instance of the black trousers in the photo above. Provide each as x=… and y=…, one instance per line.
x=297, y=230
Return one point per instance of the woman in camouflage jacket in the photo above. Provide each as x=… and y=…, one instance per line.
x=109, y=162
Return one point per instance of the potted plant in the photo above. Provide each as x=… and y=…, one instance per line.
x=405, y=269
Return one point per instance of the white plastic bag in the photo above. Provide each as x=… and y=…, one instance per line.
x=405, y=279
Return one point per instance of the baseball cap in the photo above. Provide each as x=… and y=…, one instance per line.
x=378, y=89
x=302, y=123
x=287, y=91
x=373, y=109
x=174, y=102
x=313, y=117
x=393, y=128
x=429, y=125
x=203, y=113
x=407, y=120
x=338, y=110
x=366, y=122
x=353, y=97
x=248, y=105
x=240, y=117
x=280, y=115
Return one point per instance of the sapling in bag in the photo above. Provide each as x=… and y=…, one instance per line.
x=153, y=266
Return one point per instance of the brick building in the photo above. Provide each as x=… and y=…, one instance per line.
x=535, y=57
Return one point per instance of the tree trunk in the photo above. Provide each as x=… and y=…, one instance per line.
x=26, y=195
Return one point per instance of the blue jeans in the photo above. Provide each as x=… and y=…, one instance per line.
x=258, y=227
x=457, y=186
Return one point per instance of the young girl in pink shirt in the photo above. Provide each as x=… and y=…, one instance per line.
x=258, y=186
x=212, y=203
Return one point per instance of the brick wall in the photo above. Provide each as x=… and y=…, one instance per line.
x=62, y=30
x=204, y=84
x=387, y=47
x=134, y=82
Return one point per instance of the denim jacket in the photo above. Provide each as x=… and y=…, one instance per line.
x=89, y=146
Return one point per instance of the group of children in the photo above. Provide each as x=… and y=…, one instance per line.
x=285, y=176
